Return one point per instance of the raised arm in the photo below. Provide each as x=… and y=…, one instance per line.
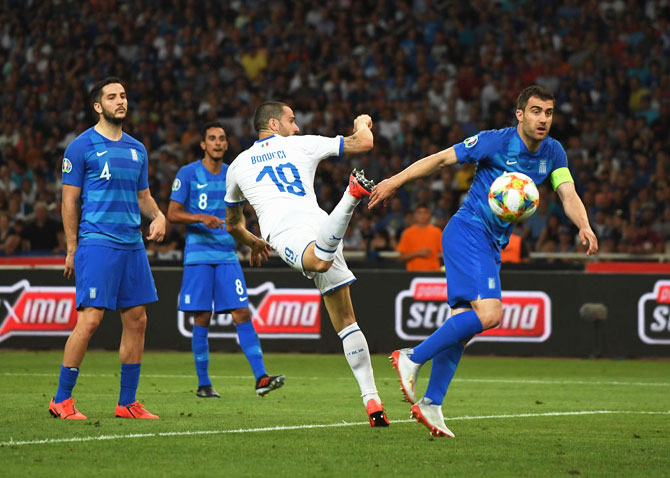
x=149, y=208
x=362, y=139
x=70, y=225
x=236, y=227
x=574, y=208
x=177, y=213
x=423, y=167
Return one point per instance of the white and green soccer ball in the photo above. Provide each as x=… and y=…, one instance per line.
x=513, y=197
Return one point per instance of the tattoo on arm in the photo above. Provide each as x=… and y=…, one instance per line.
x=234, y=216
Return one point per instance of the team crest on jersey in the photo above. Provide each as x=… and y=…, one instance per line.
x=133, y=153
x=543, y=166
x=176, y=184
x=471, y=141
x=67, y=165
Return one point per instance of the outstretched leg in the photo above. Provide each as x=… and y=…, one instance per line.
x=331, y=233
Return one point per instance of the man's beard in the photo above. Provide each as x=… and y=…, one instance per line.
x=110, y=118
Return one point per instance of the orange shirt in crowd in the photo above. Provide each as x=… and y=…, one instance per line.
x=512, y=253
x=415, y=238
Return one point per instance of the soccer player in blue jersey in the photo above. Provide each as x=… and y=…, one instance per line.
x=212, y=272
x=472, y=240
x=105, y=170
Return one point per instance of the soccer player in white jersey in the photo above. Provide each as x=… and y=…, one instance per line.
x=276, y=176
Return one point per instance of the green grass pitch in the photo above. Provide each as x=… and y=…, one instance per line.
x=512, y=417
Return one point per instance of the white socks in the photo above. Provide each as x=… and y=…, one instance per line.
x=358, y=355
x=331, y=233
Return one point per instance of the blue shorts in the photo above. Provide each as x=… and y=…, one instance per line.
x=213, y=286
x=112, y=278
x=472, y=264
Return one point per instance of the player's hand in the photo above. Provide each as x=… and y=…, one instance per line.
x=382, y=192
x=157, y=229
x=586, y=235
x=69, y=266
x=362, y=120
x=260, y=250
x=212, y=222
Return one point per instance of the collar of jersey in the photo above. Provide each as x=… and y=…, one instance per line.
x=523, y=145
x=265, y=139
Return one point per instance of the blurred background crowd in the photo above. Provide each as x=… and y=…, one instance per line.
x=430, y=73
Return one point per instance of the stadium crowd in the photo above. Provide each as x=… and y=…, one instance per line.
x=429, y=73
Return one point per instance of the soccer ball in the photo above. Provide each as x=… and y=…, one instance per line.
x=513, y=197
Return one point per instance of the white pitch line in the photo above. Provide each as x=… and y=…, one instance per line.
x=48, y=441
x=529, y=381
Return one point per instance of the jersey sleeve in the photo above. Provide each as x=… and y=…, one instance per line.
x=321, y=147
x=143, y=181
x=560, y=173
x=475, y=148
x=74, y=165
x=234, y=196
x=180, y=187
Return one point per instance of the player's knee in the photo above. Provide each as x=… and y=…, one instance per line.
x=490, y=318
x=241, y=315
x=87, y=326
x=137, y=323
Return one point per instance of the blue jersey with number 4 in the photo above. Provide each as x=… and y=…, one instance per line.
x=109, y=173
x=497, y=152
x=201, y=192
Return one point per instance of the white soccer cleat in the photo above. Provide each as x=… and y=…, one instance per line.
x=431, y=416
x=408, y=372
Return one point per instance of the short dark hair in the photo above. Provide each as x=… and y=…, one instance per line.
x=211, y=124
x=536, y=91
x=421, y=205
x=96, y=92
x=265, y=111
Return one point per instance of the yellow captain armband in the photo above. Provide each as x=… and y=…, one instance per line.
x=560, y=176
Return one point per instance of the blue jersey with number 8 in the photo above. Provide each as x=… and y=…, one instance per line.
x=201, y=192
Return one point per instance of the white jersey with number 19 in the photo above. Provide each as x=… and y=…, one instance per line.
x=276, y=176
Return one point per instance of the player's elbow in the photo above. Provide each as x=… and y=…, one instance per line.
x=367, y=142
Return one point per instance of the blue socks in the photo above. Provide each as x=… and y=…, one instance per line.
x=251, y=347
x=130, y=379
x=442, y=372
x=66, y=382
x=456, y=329
x=200, y=347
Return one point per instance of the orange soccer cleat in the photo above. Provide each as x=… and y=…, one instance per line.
x=359, y=186
x=133, y=410
x=376, y=414
x=65, y=410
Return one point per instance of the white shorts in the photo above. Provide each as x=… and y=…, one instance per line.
x=291, y=245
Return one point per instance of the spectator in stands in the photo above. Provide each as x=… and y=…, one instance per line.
x=10, y=241
x=42, y=232
x=516, y=250
x=430, y=67
x=420, y=245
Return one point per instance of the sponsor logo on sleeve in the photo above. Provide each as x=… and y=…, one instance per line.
x=277, y=313
x=471, y=141
x=423, y=308
x=176, y=184
x=67, y=165
x=653, y=315
x=28, y=310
